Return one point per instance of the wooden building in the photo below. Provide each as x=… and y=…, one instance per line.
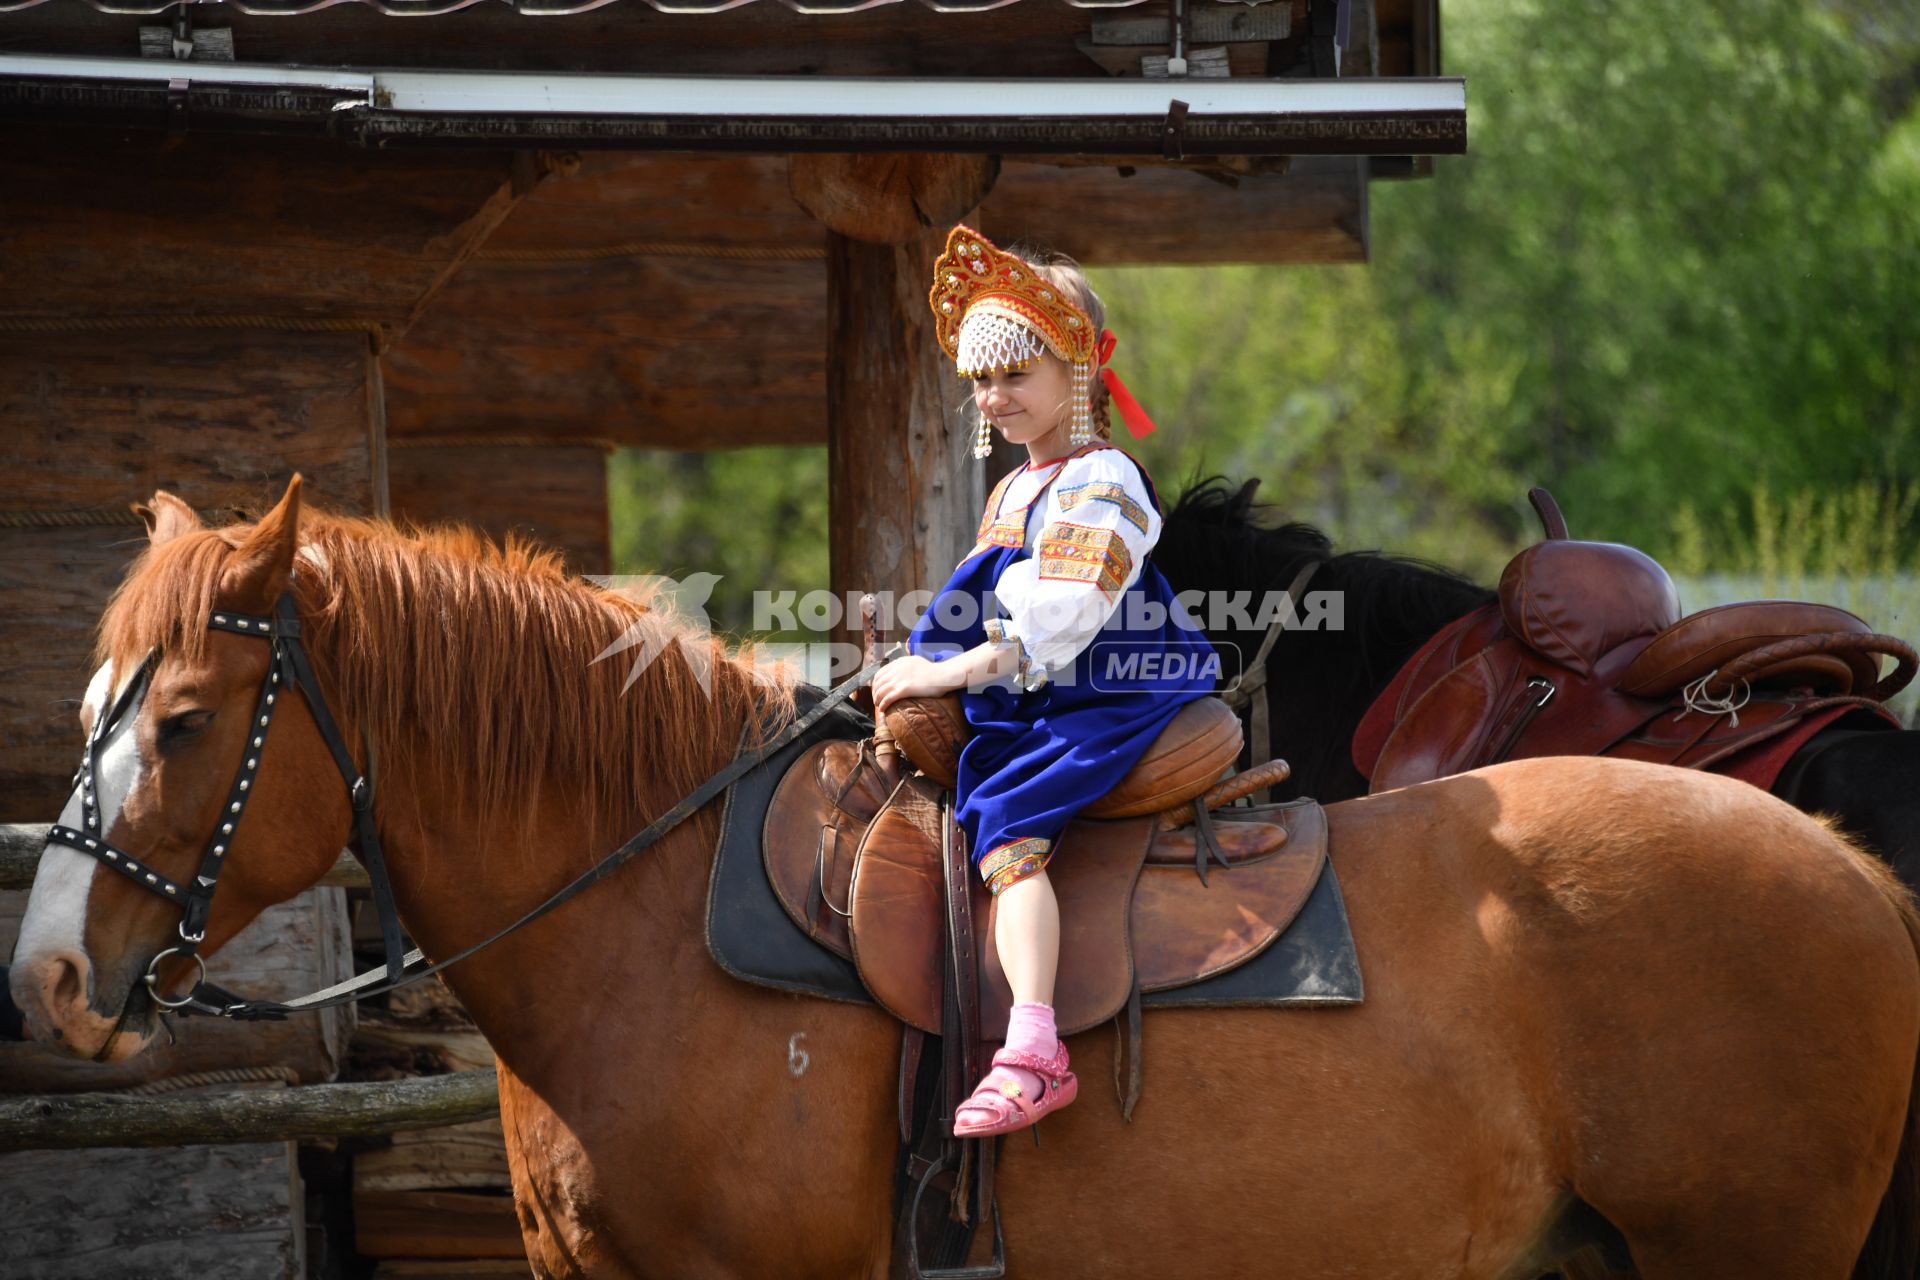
x=442, y=266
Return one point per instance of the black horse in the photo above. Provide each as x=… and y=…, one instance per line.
x=1320, y=682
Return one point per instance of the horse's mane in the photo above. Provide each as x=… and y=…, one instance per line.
x=437, y=640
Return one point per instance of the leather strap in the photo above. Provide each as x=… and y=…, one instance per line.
x=1249, y=688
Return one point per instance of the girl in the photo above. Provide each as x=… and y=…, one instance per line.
x=1056, y=625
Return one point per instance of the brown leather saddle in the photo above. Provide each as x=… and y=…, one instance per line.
x=1585, y=653
x=857, y=864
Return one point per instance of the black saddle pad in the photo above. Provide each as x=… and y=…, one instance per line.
x=749, y=934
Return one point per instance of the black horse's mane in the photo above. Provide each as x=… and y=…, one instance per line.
x=1215, y=521
x=1217, y=537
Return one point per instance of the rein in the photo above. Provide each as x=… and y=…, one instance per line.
x=290, y=668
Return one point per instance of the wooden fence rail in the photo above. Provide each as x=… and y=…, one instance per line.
x=20, y=845
x=47, y=1121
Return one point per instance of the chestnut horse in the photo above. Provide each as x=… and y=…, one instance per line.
x=1604, y=1000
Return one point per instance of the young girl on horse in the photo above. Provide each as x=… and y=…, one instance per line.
x=1056, y=625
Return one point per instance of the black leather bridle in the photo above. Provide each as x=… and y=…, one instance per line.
x=289, y=669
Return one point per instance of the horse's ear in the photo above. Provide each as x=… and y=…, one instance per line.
x=167, y=518
x=263, y=562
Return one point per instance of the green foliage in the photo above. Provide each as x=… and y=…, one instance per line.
x=758, y=517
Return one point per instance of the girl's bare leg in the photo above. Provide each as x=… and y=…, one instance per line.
x=1026, y=933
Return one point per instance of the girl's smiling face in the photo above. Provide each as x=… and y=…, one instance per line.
x=1030, y=405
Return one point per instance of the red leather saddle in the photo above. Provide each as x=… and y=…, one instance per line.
x=1585, y=653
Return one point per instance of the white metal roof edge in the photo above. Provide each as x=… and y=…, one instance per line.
x=796, y=97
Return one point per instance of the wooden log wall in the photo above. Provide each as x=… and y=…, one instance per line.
x=200, y=314
x=95, y=421
x=553, y=492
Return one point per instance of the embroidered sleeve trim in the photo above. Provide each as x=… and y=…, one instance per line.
x=1012, y=863
x=1029, y=675
x=1085, y=553
x=1105, y=491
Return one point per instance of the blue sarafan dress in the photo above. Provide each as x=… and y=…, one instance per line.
x=1060, y=570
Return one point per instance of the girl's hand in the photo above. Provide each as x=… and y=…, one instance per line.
x=915, y=677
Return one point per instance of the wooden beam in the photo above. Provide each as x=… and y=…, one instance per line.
x=63, y=1121
x=108, y=227
x=904, y=492
x=880, y=198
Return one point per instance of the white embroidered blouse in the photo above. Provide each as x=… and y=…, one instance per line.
x=1089, y=534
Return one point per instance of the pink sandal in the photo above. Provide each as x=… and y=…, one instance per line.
x=1009, y=1109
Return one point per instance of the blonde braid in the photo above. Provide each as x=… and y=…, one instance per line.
x=1068, y=277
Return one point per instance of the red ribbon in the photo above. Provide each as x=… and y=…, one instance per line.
x=1130, y=411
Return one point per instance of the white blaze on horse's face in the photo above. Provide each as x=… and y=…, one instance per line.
x=54, y=928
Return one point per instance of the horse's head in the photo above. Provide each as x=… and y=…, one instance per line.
x=177, y=719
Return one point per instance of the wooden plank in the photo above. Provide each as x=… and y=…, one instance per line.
x=461, y=1157
x=1315, y=212
x=714, y=353
x=435, y=1224
x=221, y=417
x=213, y=1213
x=97, y=421
x=904, y=492
x=555, y=494
x=289, y=950
x=108, y=223
x=61, y=1121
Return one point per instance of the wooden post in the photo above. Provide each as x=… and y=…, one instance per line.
x=904, y=492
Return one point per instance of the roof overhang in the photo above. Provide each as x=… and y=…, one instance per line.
x=1197, y=117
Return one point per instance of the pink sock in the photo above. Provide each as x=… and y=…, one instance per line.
x=1030, y=1029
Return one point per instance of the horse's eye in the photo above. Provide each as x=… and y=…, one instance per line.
x=177, y=729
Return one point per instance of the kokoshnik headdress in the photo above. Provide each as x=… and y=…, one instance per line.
x=993, y=311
